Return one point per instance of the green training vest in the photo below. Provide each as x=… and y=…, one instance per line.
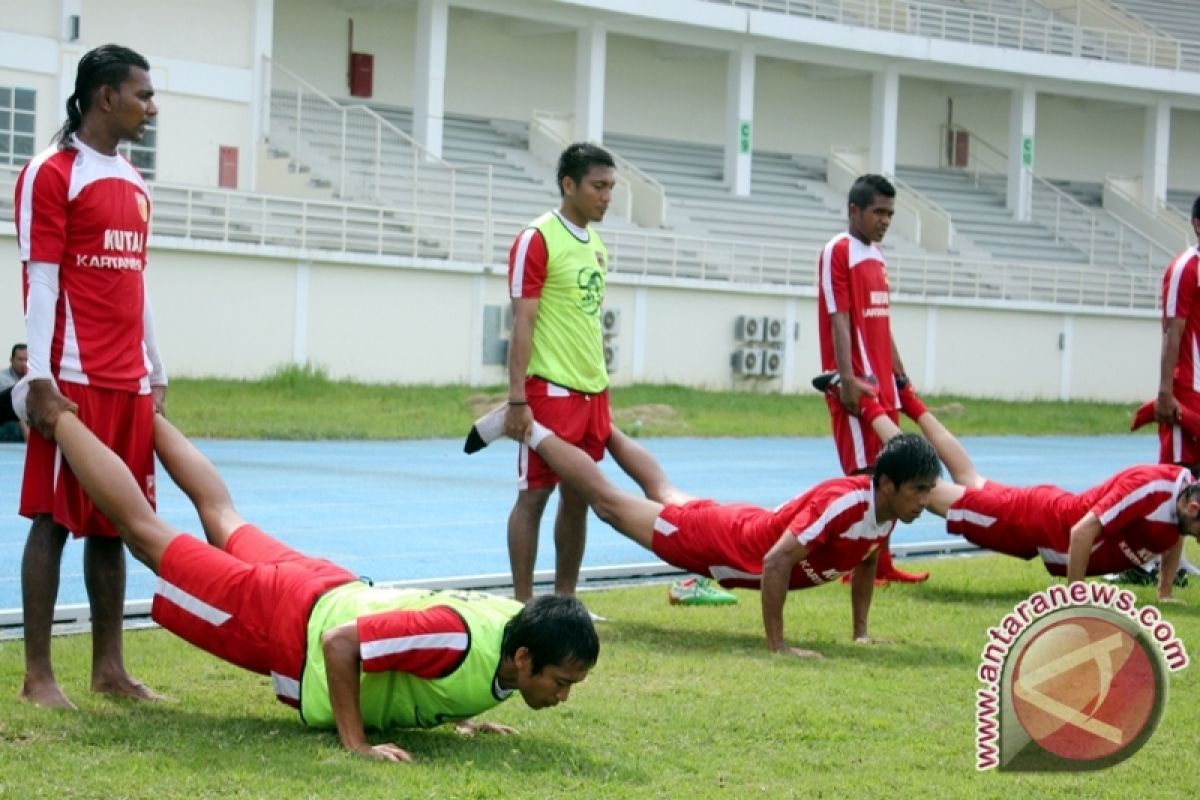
x=397, y=699
x=568, y=343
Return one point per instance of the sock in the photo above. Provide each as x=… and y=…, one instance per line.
x=910, y=403
x=538, y=434
x=1143, y=416
x=486, y=430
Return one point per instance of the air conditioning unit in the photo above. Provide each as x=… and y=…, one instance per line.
x=610, y=321
x=773, y=330
x=611, y=357
x=748, y=329
x=506, y=321
x=747, y=362
x=772, y=363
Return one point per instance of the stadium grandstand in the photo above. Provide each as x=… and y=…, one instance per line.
x=340, y=181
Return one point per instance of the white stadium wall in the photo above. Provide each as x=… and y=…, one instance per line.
x=242, y=316
x=1185, y=150
x=204, y=31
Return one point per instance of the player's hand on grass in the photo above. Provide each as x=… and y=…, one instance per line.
x=469, y=728
x=384, y=752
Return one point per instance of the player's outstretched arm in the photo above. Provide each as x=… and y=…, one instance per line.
x=1167, y=569
x=862, y=589
x=776, y=575
x=1083, y=535
x=343, y=670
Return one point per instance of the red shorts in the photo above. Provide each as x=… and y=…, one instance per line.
x=857, y=445
x=699, y=537
x=124, y=422
x=1004, y=519
x=583, y=420
x=1176, y=445
x=248, y=604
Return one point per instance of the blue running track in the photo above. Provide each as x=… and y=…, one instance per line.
x=423, y=509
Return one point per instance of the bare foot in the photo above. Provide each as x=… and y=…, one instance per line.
x=45, y=694
x=128, y=687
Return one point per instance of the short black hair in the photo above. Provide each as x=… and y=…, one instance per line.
x=16, y=347
x=1189, y=493
x=106, y=65
x=556, y=629
x=906, y=457
x=866, y=187
x=578, y=159
x=1196, y=208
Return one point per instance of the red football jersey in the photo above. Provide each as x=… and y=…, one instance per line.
x=852, y=279
x=835, y=520
x=1136, y=509
x=89, y=214
x=1180, y=300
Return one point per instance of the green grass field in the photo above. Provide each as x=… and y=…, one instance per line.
x=685, y=702
x=300, y=404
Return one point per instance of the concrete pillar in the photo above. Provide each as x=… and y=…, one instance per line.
x=739, y=119
x=262, y=46
x=429, y=76
x=885, y=120
x=1156, y=151
x=1022, y=123
x=591, y=58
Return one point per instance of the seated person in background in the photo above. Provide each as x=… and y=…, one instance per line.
x=348, y=655
x=1137, y=513
x=11, y=428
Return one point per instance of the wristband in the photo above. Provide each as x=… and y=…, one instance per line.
x=518, y=402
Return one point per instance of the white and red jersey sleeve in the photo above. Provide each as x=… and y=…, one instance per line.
x=830, y=510
x=1180, y=300
x=835, y=521
x=89, y=214
x=430, y=643
x=527, y=261
x=1139, y=493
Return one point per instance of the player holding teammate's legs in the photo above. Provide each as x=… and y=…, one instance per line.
x=853, y=321
x=82, y=218
x=325, y=637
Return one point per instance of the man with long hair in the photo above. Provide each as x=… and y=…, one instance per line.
x=82, y=218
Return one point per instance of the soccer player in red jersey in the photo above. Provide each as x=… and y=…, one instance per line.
x=835, y=528
x=1134, y=515
x=1179, y=357
x=82, y=218
x=853, y=318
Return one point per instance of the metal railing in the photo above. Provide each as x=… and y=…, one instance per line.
x=1103, y=238
x=994, y=28
x=332, y=230
x=363, y=157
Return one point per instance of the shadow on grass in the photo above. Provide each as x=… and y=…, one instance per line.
x=236, y=742
x=672, y=641
x=960, y=594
